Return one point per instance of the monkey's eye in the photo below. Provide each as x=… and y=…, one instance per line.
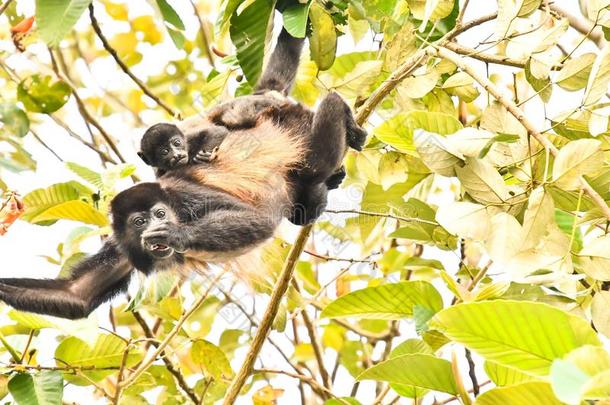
x=164, y=151
x=177, y=142
x=160, y=214
x=139, y=222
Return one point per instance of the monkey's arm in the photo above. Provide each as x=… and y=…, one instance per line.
x=225, y=225
x=93, y=281
x=201, y=147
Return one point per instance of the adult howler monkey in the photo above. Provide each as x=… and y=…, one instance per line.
x=214, y=211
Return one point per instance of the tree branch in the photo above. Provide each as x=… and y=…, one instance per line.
x=487, y=58
x=309, y=380
x=124, y=67
x=519, y=115
x=161, y=347
x=204, y=35
x=585, y=27
x=168, y=363
x=265, y=325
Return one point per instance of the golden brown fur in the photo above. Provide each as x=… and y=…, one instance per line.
x=252, y=163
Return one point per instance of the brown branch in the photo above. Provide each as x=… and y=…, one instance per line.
x=265, y=325
x=488, y=58
x=309, y=380
x=472, y=373
x=167, y=339
x=336, y=259
x=585, y=27
x=519, y=115
x=204, y=36
x=84, y=112
x=44, y=145
x=5, y=6
x=380, y=214
x=168, y=364
x=124, y=67
x=317, y=348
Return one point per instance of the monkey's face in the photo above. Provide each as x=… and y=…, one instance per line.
x=144, y=228
x=172, y=154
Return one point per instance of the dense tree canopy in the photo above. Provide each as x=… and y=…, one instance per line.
x=466, y=257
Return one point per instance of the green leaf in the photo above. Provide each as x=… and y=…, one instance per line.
x=567, y=381
x=107, y=351
x=600, y=312
x=248, y=32
x=75, y=211
x=169, y=15
x=388, y=301
x=435, y=122
x=15, y=120
x=55, y=18
x=396, y=133
x=39, y=94
x=419, y=370
x=461, y=85
x=524, y=335
x=295, y=19
x=482, y=182
x=92, y=177
x=575, y=159
x=211, y=360
x=575, y=72
x=323, y=40
x=599, y=78
x=542, y=86
x=410, y=346
x=529, y=393
x=503, y=376
x=43, y=388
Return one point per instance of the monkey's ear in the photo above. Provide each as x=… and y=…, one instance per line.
x=143, y=158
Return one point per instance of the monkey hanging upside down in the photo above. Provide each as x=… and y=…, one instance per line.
x=211, y=211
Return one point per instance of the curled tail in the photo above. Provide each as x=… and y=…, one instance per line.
x=282, y=68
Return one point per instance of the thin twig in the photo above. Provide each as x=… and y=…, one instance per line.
x=82, y=108
x=380, y=214
x=44, y=145
x=5, y=6
x=204, y=36
x=124, y=67
x=168, y=338
x=487, y=58
x=317, y=349
x=583, y=26
x=472, y=373
x=304, y=378
x=276, y=296
x=519, y=115
x=168, y=363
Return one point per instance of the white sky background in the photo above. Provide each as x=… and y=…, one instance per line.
x=22, y=247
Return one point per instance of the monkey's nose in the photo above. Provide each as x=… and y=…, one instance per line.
x=179, y=158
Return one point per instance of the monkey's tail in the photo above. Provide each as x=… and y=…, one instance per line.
x=282, y=68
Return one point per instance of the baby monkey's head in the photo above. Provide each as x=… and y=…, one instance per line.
x=164, y=146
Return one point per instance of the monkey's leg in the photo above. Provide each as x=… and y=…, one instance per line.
x=93, y=281
x=310, y=203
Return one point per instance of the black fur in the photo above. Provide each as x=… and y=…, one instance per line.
x=197, y=219
x=165, y=147
x=283, y=64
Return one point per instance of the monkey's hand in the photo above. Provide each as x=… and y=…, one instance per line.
x=164, y=237
x=204, y=156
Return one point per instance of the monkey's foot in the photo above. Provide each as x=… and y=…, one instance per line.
x=356, y=136
x=335, y=180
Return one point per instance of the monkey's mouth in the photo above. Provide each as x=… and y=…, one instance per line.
x=160, y=251
x=178, y=161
